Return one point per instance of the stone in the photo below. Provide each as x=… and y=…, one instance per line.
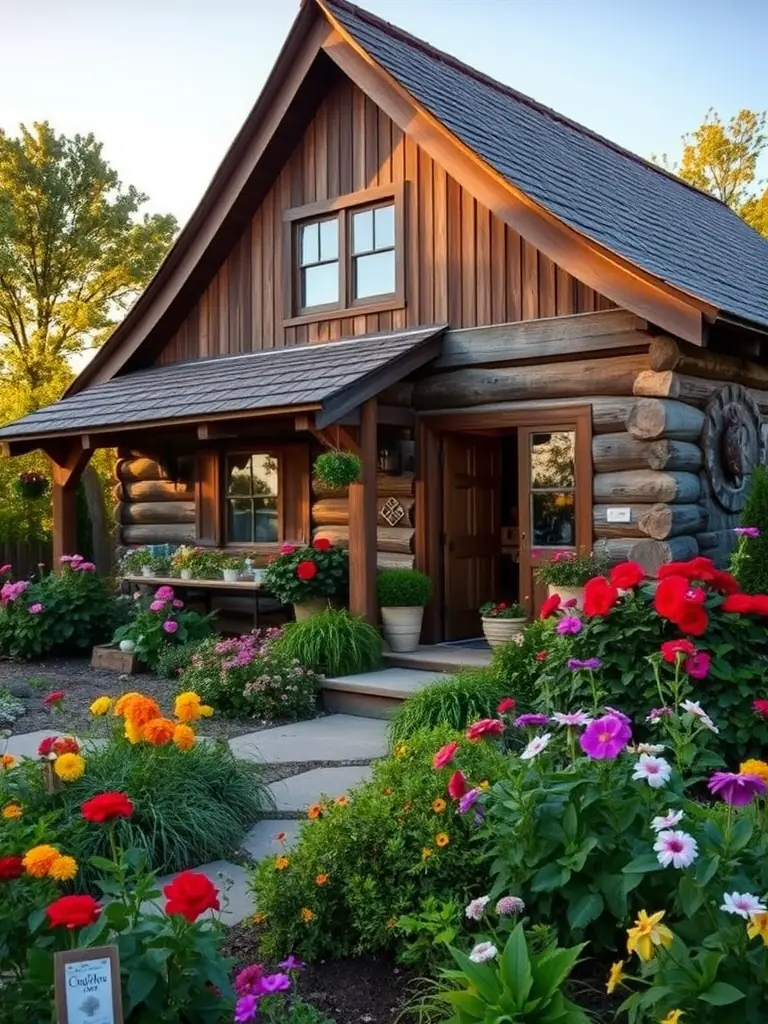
x=21, y=690
x=25, y=744
x=234, y=890
x=261, y=841
x=331, y=738
x=295, y=794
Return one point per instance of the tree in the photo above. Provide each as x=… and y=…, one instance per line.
x=722, y=159
x=74, y=254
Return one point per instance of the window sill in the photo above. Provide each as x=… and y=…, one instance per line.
x=318, y=316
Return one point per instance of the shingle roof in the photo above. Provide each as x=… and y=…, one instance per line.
x=640, y=212
x=331, y=377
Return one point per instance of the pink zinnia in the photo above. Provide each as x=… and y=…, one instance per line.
x=287, y=549
x=164, y=593
x=676, y=848
x=697, y=666
x=457, y=786
x=170, y=626
x=736, y=790
x=485, y=727
x=35, y=609
x=157, y=606
x=605, y=738
x=177, y=603
x=5, y=569
x=445, y=755
x=247, y=980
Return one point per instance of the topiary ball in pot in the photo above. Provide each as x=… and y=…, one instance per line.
x=337, y=469
x=402, y=595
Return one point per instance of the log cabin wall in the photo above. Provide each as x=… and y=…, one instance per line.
x=151, y=508
x=462, y=265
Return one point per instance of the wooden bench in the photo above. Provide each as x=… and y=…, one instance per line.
x=207, y=587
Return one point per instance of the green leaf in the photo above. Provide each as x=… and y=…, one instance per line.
x=585, y=909
x=551, y=876
x=706, y=869
x=140, y=984
x=721, y=994
x=103, y=864
x=643, y=865
x=516, y=966
x=690, y=894
x=480, y=976
x=553, y=968
x=740, y=835
x=467, y=1002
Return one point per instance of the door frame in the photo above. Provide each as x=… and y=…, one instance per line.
x=429, y=483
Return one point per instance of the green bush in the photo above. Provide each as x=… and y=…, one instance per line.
x=453, y=703
x=517, y=666
x=160, y=622
x=171, y=661
x=750, y=562
x=403, y=588
x=365, y=862
x=338, y=469
x=333, y=643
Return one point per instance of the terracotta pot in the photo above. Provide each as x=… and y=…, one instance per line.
x=308, y=609
x=402, y=627
x=502, y=631
x=567, y=594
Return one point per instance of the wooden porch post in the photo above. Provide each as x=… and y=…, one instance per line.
x=66, y=476
x=362, y=522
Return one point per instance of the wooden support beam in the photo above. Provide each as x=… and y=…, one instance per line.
x=362, y=521
x=66, y=472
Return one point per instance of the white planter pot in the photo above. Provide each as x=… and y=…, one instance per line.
x=258, y=576
x=502, y=631
x=567, y=594
x=304, y=610
x=231, y=575
x=402, y=627
x=147, y=570
x=185, y=574
x=127, y=646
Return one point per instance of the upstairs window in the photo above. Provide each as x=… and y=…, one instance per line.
x=373, y=252
x=319, y=263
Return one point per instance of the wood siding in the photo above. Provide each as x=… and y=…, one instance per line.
x=462, y=265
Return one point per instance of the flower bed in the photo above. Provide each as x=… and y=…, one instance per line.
x=159, y=622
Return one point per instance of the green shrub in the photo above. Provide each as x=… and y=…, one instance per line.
x=338, y=469
x=160, y=622
x=750, y=561
x=516, y=665
x=454, y=702
x=569, y=569
x=365, y=862
x=333, y=643
x=403, y=588
x=171, y=661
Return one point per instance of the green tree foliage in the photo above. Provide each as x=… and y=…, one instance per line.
x=750, y=564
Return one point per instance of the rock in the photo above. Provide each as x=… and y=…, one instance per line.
x=23, y=690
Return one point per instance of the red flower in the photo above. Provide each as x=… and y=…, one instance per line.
x=322, y=544
x=508, y=704
x=306, y=570
x=106, y=807
x=669, y=599
x=53, y=698
x=673, y=569
x=627, y=575
x=737, y=604
x=10, y=867
x=485, y=727
x=550, y=606
x=694, y=619
x=46, y=746
x=760, y=604
x=72, y=912
x=542, y=655
x=599, y=596
x=761, y=707
x=445, y=755
x=457, y=785
x=702, y=569
x=697, y=666
x=725, y=583
x=191, y=894
x=671, y=649
x=66, y=745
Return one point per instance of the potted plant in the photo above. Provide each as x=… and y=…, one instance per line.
x=31, y=485
x=135, y=562
x=337, y=469
x=502, y=622
x=567, y=572
x=308, y=576
x=402, y=595
x=231, y=567
x=184, y=559
x=158, y=565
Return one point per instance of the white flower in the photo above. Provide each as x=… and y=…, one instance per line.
x=483, y=952
x=742, y=903
x=692, y=707
x=571, y=718
x=707, y=722
x=668, y=820
x=537, y=744
x=647, y=748
x=676, y=848
x=476, y=908
x=655, y=770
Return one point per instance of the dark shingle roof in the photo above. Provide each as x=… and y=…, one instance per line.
x=649, y=217
x=333, y=377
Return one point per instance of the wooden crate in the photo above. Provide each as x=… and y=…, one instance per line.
x=108, y=656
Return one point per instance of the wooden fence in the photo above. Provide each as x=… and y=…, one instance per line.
x=25, y=556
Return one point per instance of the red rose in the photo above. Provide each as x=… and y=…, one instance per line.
x=671, y=649
x=66, y=745
x=445, y=755
x=627, y=575
x=761, y=707
x=457, y=785
x=702, y=569
x=107, y=807
x=760, y=604
x=306, y=570
x=542, y=655
x=725, y=583
x=53, y=698
x=191, y=894
x=508, y=704
x=322, y=544
x=737, y=604
x=694, y=619
x=72, y=912
x=485, y=727
x=550, y=606
x=10, y=867
x=599, y=596
x=46, y=746
x=669, y=598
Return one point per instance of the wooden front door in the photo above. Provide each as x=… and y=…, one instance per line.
x=471, y=531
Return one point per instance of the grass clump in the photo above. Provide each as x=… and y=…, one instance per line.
x=333, y=643
x=452, y=703
x=750, y=562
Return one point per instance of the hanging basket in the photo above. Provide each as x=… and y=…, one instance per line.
x=337, y=469
x=31, y=486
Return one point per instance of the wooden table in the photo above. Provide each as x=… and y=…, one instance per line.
x=207, y=587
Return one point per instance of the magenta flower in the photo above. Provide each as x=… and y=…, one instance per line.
x=605, y=738
x=697, y=665
x=170, y=626
x=736, y=790
x=35, y=609
x=164, y=593
x=247, y=980
x=591, y=664
x=292, y=963
x=571, y=718
x=157, y=606
x=569, y=625
x=530, y=721
x=287, y=549
x=656, y=714
x=747, y=531
x=177, y=603
x=83, y=566
x=275, y=983
x=246, y=1009
x=466, y=802
x=5, y=569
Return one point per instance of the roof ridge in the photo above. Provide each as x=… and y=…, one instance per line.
x=459, y=65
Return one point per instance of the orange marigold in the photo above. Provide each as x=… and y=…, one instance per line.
x=121, y=704
x=12, y=812
x=281, y=863
x=442, y=839
x=321, y=880
x=259, y=918
x=426, y=853
x=37, y=861
x=184, y=737
x=341, y=801
x=307, y=915
x=159, y=731
x=314, y=811
x=8, y=761
x=439, y=805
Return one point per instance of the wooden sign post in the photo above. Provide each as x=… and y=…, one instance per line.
x=87, y=986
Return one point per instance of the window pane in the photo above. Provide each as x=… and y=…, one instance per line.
x=362, y=231
x=375, y=274
x=264, y=474
x=320, y=285
x=329, y=239
x=238, y=474
x=240, y=521
x=265, y=521
x=552, y=459
x=553, y=517
x=384, y=219
x=308, y=243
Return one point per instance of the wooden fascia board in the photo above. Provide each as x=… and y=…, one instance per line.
x=608, y=273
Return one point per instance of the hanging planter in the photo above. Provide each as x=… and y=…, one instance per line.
x=337, y=469
x=31, y=485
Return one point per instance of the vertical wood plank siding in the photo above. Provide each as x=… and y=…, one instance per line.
x=463, y=265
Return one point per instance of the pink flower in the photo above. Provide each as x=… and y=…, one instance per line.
x=35, y=609
x=605, y=738
x=164, y=593
x=571, y=718
x=445, y=755
x=742, y=903
x=747, y=531
x=157, y=606
x=530, y=721
x=247, y=980
x=83, y=566
x=655, y=770
x=457, y=786
x=667, y=821
x=736, y=790
x=137, y=595
x=569, y=624
x=170, y=626
x=485, y=727
x=5, y=569
x=697, y=666
x=508, y=704
x=675, y=848
x=177, y=603
x=287, y=549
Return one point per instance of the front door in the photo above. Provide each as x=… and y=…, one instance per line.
x=471, y=531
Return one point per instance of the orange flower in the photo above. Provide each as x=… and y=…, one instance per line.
x=392, y=922
x=442, y=839
x=281, y=863
x=321, y=879
x=12, y=812
x=159, y=731
x=37, y=861
x=259, y=918
x=387, y=791
x=314, y=811
x=439, y=805
x=8, y=761
x=184, y=737
x=307, y=915
x=407, y=806
x=122, y=703
x=426, y=853
x=341, y=801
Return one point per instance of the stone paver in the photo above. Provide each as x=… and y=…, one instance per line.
x=236, y=901
x=332, y=738
x=293, y=795
x=25, y=744
x=388, y=682
x=260, y=842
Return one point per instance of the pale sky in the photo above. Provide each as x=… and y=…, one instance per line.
x=165, y=84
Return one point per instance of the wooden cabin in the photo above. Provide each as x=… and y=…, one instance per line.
x=536, y=340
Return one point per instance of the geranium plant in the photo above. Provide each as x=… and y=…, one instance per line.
x=571, y=568
x=135, y=559
x=492, y=610
x=306, y=572
x=31, y=485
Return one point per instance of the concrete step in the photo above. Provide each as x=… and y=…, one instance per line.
x=439, y=658
x=374, y=694
x=331, y=738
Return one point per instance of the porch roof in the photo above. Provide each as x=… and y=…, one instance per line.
x=330, y=379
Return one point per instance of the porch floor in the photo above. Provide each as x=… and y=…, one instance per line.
x=440, y=658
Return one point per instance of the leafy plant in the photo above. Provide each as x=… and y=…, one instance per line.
x=428, y=931
x=332, y=643
x=134, y=561
x=403, y=588
x=517, y=666
x=306, y=573
x=503, y=611
x=10, y=709
x=159, y=622
x=750, y=561
x=338, y=469
x=232, y=562
x=160, y=564
x=31, y=485
x=451, y=703
x=569, y=569
x=172, y=660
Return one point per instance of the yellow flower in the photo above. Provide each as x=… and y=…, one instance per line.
x=187, y=707
x=673, y=1017
x=321, y=879
x=100, y=706
x=184, y=737
x=206, y=710
x=8, y=761
x=122, y=703
x=37, y=861
x=132, y=731
x=758, y=925
x=281, y=863
x=442, y=839
x=400, y=750
x=647, y=934
x=259, y=918
x=159, y=731
x=426, y=853
x=616, y=977
x=314, y=811
x=484, y=785
x=754, y=767
x=12, y=811
x=392, y=922
x=307, y=915
x=69, y=767
x=63, y=869
x=439, y=805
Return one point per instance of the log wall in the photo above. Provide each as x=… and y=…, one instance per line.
x=151, y=509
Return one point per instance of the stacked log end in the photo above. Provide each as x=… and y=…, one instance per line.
x=151, y=509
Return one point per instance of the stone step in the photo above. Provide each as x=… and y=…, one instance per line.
x=330, y=738
x=439, y=658
x=292, y=796
x=374, y=695
x=262, y=840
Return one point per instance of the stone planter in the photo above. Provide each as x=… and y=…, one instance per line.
x=402, y=627
x=567, y=594
x=185, y=574
x=307, y=609
x=500, y=631
x=231, y=575
x=147, y=570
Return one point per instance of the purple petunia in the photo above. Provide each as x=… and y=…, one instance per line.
x=736, y=790
x=246, y=1009
x=275, y=983
x=569, y=625
x=292, y=963
x=530, y=721
x=576, y=664
x=170, y=626
x=747, y=531
x=468, y=800
x=605, y=738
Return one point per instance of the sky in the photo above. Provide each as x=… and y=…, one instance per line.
x=166, y=84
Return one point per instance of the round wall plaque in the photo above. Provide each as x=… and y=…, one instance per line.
x=733, y=445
